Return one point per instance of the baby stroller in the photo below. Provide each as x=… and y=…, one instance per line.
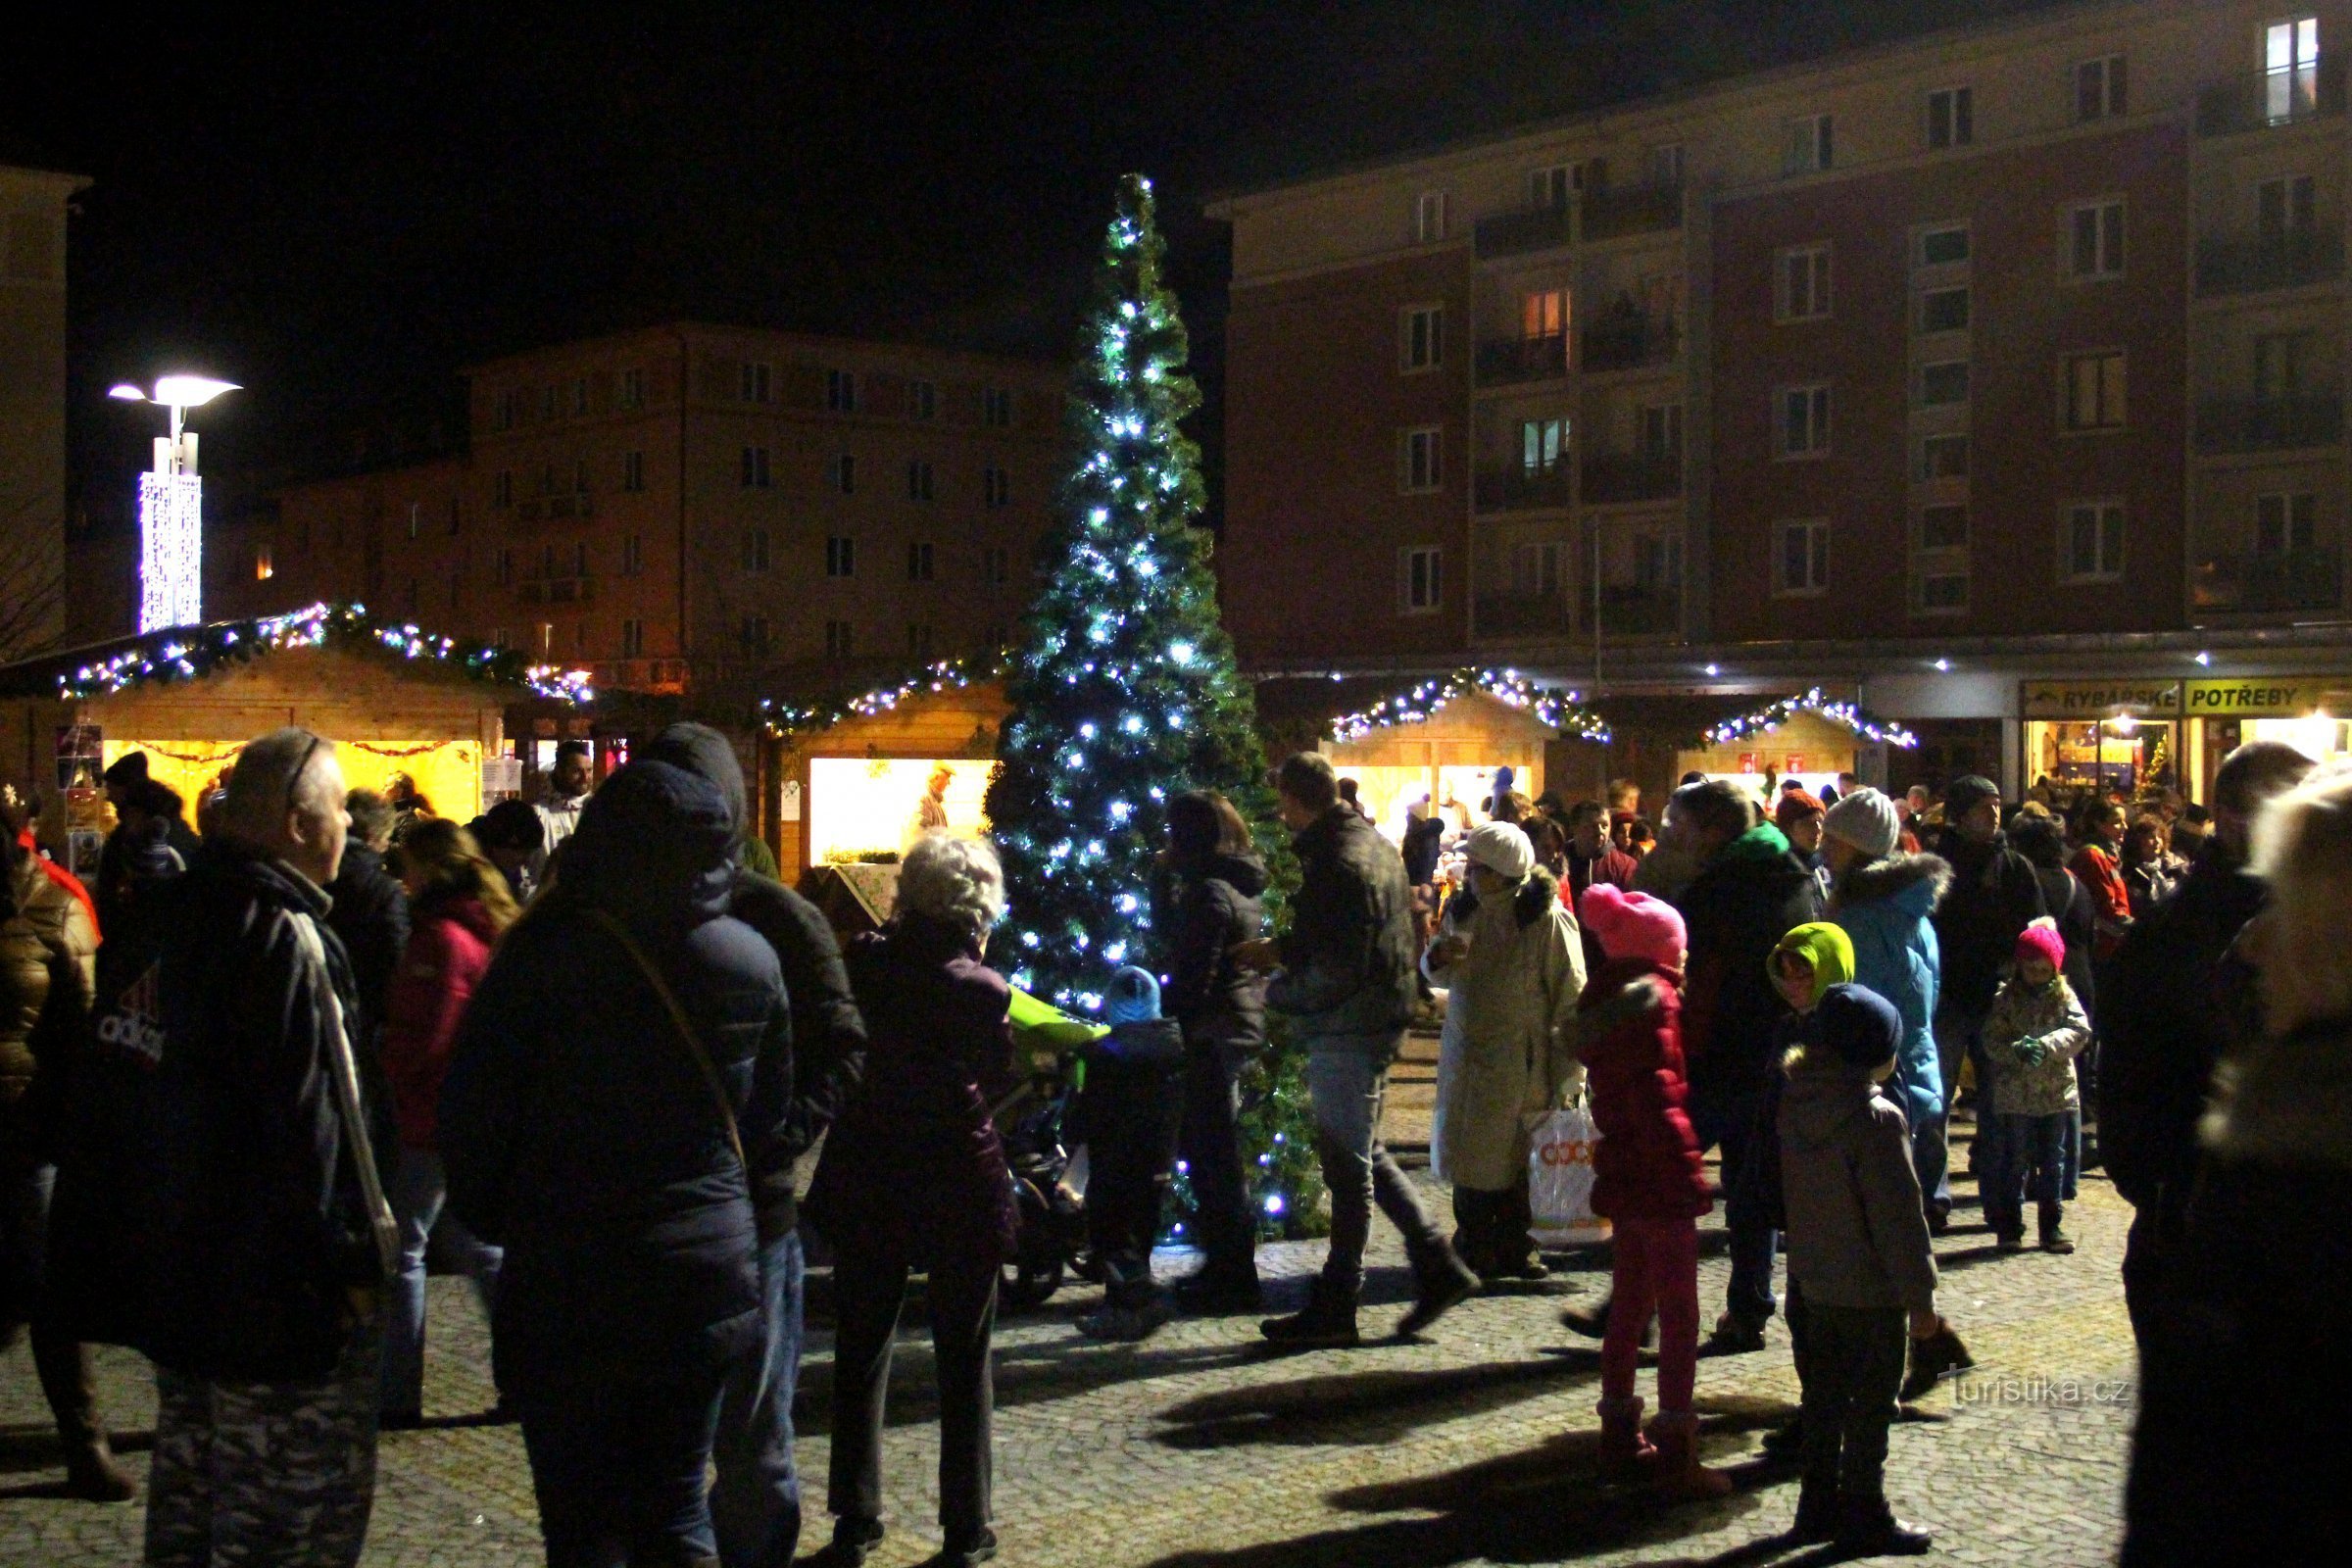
x=1052, y=1242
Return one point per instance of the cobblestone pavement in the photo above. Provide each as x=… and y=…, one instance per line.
x=1200, y=1450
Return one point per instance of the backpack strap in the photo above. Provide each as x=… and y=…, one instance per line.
x=646, y=966
x=344, y=1072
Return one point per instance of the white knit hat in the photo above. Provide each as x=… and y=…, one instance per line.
x=1867, y=820
x=1502, y=849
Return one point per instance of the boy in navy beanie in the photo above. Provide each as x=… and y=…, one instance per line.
x=1129, y=1116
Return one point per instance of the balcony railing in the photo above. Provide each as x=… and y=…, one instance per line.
x=1619, y=476
x=1509, y=615
x=1635, y=210
x=2250, y=263
x=2270, y=424
x=1503, y=361
x=2265, y=98
x=2275, y=581
x=1532, y=228
x=1517, y=487
x=1630, y=342
x=1636, y=609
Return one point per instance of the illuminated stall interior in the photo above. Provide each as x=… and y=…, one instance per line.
x=1810, y=738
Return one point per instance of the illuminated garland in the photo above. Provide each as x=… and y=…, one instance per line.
x=785, y=719
x=189, y=653
x=1837, y=710
x=1551, y=707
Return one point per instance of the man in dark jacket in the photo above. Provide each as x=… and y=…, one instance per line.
x=1591, y=859
x=622, y=1074
x=1750, y=891
x=2177, y=999
x=370, y=910
x=756, y=1500
x=1347, y=983
x=270, y=1235
x=1994, y=896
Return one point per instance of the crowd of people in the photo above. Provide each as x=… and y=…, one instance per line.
x=588, y=1045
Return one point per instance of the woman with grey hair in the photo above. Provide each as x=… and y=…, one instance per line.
x=914, y=1178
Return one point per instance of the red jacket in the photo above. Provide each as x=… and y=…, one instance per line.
x=61, y=877
x=1646, y=1164
x=2110, y=896
x=448, y=948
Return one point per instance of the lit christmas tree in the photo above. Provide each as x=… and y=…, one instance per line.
x=1123, y=688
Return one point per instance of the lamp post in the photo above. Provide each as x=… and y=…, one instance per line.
x=170, y=506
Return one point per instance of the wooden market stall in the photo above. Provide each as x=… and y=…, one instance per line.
x=1809, y=737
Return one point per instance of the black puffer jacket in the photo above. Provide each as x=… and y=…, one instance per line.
x=1994, y=895
x=1218, y=1003
x=578, y=1127
x=1749, y=895
x=1348, y=962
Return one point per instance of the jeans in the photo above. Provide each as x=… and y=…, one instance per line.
x=1957, y=1030
x=1754, y=1239
x=2031, y=1148
x=1853, y=1371
x=868, y=1293
x=619, y=1469
x=1655, y=1269
x=418, y=1190
x=756, y=1500
x=1211, y=1146
x=1346, y=1084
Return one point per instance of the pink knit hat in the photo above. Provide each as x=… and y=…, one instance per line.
x=1634, y=925
x=2040, y=940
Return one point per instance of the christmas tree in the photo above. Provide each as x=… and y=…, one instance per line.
x=1123, y=688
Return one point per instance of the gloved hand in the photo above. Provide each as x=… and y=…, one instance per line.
x=2031, y=1051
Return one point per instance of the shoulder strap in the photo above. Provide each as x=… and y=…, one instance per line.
x=686, y=1032
x=345, y=1072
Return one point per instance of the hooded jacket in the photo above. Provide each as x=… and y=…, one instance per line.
x=48, y=967
x=578, y=1129
x=1755, y=1188
x=1884, y=906
x=2039, y=1082
x=447, y=954
x=1347, y=960
x=1738, y=907
x=1994, y=895
x=1219, y=1004
x=1629, y=1032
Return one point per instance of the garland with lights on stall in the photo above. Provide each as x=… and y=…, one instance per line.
x=785, y=720
x=1838, y=711
x=1553, y=707
x=1123, y=694
x=190, y=653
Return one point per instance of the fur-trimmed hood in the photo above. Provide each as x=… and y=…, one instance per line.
x=1917, y=880
x=1537, y=894
x=2286, y=1100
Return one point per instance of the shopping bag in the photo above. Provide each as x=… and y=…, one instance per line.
x=1559, y=1180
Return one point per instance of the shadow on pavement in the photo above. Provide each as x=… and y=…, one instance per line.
x=29, y=1447
x=1361, y=1408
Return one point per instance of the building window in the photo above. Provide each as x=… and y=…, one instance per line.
x=841, y=557
x=506, y=410
x=2284, y=523
x=2094, y=391
x=1420, y=460
x=838, y=643
x=501, y=489
x=1543, y=445
x=1421, y=344
x=1952, y=116
x=918, y=480
x=1549, y=188
x=755, y=475
x=845, y=475
x=579, y=399
x=1944, y=309
x=2291, y=64
x=996, y=487
x=632, y=639
x=2093, y=545
x=632, y=389
x=1666, y=164
x=2100, y=88
x=415, y=520
x=918, y=639
x=841, y=391
x=632, y=471
x=996, y=407
x=1810, y=143
x=1663, y=432
x=1942, y=457
x=1803, y=415
x=2094, y=240
x=754, y=549
x=1942, y=383
x=1539, y=570
x=996, y=566
x=263, y=567
x=1543, y=314
x=505, y=566
x=1942, y=593
x=1800, y=559
x=1943, y=528
x=2287, y=209
x=1804, y=275
x=632, y=554
x=1421, y=580
x=759, y=382
x=922, y=400
x=1946, y=246
x=918, y=563
x=754, y=636
x=1430, y=215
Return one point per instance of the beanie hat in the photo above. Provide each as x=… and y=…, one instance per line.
x=1790, y=810
x=1634, y=925
x=1860, y=1027
x=128, y=770
x=1867, y=820
x=2040, y=940
x=1965, y=793
x=1502, y=848
x=1133, y=998
x=1826, y=947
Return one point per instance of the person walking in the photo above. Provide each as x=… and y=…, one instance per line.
x=461, y=907
x=621, y=1073
x=1511, y=962
x=371, y=910
x=1347, y=982
x=1221, y=1008
x=913, y=1177
x=2032, y=1037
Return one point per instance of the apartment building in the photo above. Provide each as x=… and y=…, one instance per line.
x=2001, y=357
x=32, y=408
x=697, y=504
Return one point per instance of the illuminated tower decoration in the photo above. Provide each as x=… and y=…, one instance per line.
x=171, y=509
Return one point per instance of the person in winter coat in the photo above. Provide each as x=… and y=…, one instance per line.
x=913, y=1177
x=459, y=909
x=144, y=811
x=1129, y=1117
x=621, y=1073
x=1750, y=890
x=1591, y=859
x=1512, y=965
x=2032, y=1037
x=2238, y=1455
x=2150, y=874
x=1646, y=1180
x=1882, y=900
x=370, y=910
x=2099, y=864
x=2043, y=842
x=1859, y=1255
x=1215, y=882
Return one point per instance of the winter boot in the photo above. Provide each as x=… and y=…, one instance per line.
x=1441, y=1282
x=72, y=1386
x=1592, y=1322
x=964, y=1550
x=1868, y=1528
x=2053, y=1238
x=1328, y=1321
x=1625, y=1453
x=1733, y=1336
x=1785, y=1444
x=1680, y=1476
x=1817, y=1513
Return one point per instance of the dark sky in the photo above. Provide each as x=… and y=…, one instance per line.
x=340, y=210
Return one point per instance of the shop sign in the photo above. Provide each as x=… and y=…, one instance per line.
x=2100, y=699
x=2264, y=695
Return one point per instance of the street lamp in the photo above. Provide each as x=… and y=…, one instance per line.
x=170, y=506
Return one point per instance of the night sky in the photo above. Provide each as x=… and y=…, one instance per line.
x=342, y=211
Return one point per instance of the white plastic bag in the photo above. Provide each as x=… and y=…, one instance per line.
x=1559, y=1180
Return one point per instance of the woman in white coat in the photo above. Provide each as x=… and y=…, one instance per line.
x=1511, y=962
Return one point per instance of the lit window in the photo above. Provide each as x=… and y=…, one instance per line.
x=263, y=567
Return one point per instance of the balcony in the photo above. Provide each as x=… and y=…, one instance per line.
x=1635, y=210
x=1519, y=488
x=2249, y=265
x=2262, y=99
x=2275, y=582
x=556, y=591
x=1509, y=615
x=1615, y=478
x=1636, y=609
x=2270, y=424
x=1507, y=362
x=1629, y=341
x=1533, y=229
